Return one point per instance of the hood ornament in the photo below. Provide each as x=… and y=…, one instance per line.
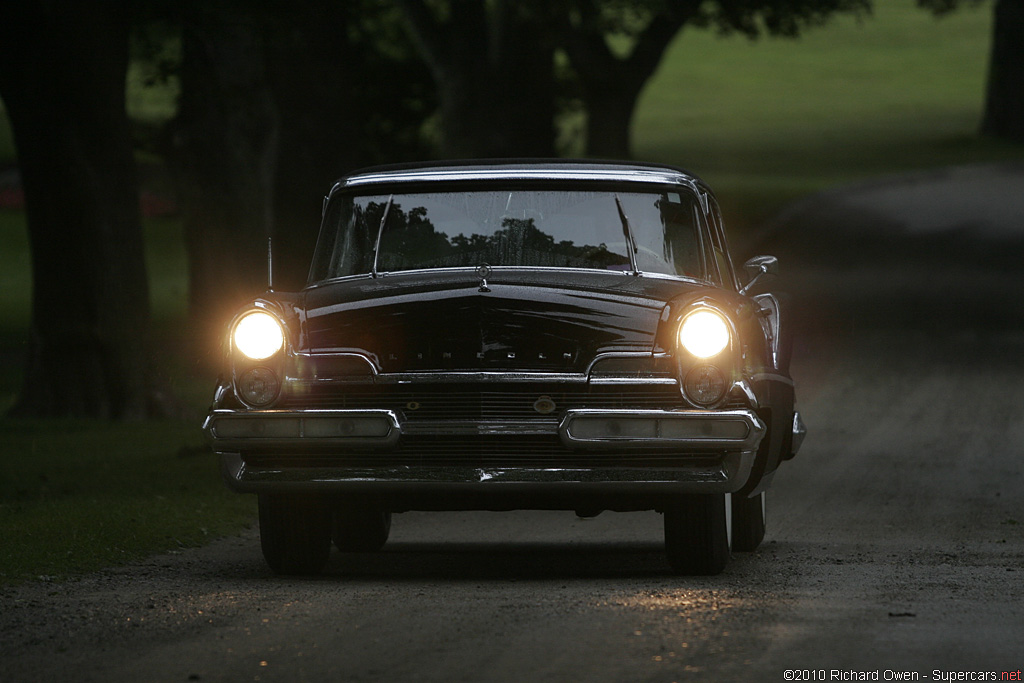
x=482, y=271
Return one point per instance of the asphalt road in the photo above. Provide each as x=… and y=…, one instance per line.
x=895, y=544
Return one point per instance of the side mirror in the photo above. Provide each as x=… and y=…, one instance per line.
x=757, y=268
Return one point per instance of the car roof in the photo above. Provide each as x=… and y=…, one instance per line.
x=522, y=170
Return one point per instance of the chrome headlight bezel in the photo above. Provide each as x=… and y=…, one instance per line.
x=707, y=341
x=258, y=386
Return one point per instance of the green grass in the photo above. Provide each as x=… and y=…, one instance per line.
x=764, y=122
x=770, y=120
x=77, y=496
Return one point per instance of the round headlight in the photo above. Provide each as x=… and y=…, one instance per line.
x=259, y=335
x=704, y=334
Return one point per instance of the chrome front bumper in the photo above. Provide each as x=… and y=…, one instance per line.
x=710, y=451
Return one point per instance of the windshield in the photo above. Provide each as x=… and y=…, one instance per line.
x=540, y=228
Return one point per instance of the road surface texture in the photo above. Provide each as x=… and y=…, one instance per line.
x=895, y=544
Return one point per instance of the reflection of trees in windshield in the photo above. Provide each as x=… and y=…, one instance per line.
x=542, y=228
x=410, y=241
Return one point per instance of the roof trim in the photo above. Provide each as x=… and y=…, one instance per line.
x=522, y=170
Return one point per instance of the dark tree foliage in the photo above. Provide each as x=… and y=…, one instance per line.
x=351, y=94
x=275, y=106
x=222, y=149
x=493, y=67
x=495, y=70
x=786, y=18
x=940, y=7
x=62, y=78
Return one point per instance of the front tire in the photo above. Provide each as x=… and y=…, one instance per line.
x=361, y=531
x=295, y=534
x=698, y=531
x=748, y=522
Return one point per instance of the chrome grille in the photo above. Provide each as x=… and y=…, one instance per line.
x=473, y=402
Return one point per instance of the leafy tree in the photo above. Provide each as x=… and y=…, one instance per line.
x=274, y=108
x=222, y=148
x=62, y=78
x=612, y=79
x=493, y=67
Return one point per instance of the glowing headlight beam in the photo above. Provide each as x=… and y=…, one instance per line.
x=258, y=335
x=704, y=334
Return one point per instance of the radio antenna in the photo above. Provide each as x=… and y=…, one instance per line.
x=270, y=264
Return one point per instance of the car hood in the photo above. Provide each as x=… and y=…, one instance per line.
x=520, y=320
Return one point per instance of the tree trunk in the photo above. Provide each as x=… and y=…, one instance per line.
x=62, y=77
x=222, y=152
x=494, y=70
x=611, y=84
x=609, y=117
x=1004, y=100
x=321, y=128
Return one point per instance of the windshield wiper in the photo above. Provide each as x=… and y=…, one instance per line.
x=380, y=232
x=628, y=232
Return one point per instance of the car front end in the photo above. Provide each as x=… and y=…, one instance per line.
x=509, y=360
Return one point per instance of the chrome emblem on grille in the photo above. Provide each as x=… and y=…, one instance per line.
x=544, y=405
x=482, y=271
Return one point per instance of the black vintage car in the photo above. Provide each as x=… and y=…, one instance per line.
x=516, y=335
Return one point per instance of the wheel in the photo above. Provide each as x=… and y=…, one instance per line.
x=698, y=531
x=360, y=531
x=748, y=522
x=295, y=534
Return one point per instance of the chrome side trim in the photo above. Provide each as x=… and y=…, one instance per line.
x=743, y=386
x=769, y=308
x=772, y=377
x=611, y=355
x=333, y=355
x=799, y=432
x=632, y=379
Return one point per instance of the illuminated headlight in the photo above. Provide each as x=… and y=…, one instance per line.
x=704, y=334
x=258, y=386
x=258, y=335
x=704, y=384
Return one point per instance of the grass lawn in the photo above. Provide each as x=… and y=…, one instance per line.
x=770, y=120
x=764, y=122
x=79, y=495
